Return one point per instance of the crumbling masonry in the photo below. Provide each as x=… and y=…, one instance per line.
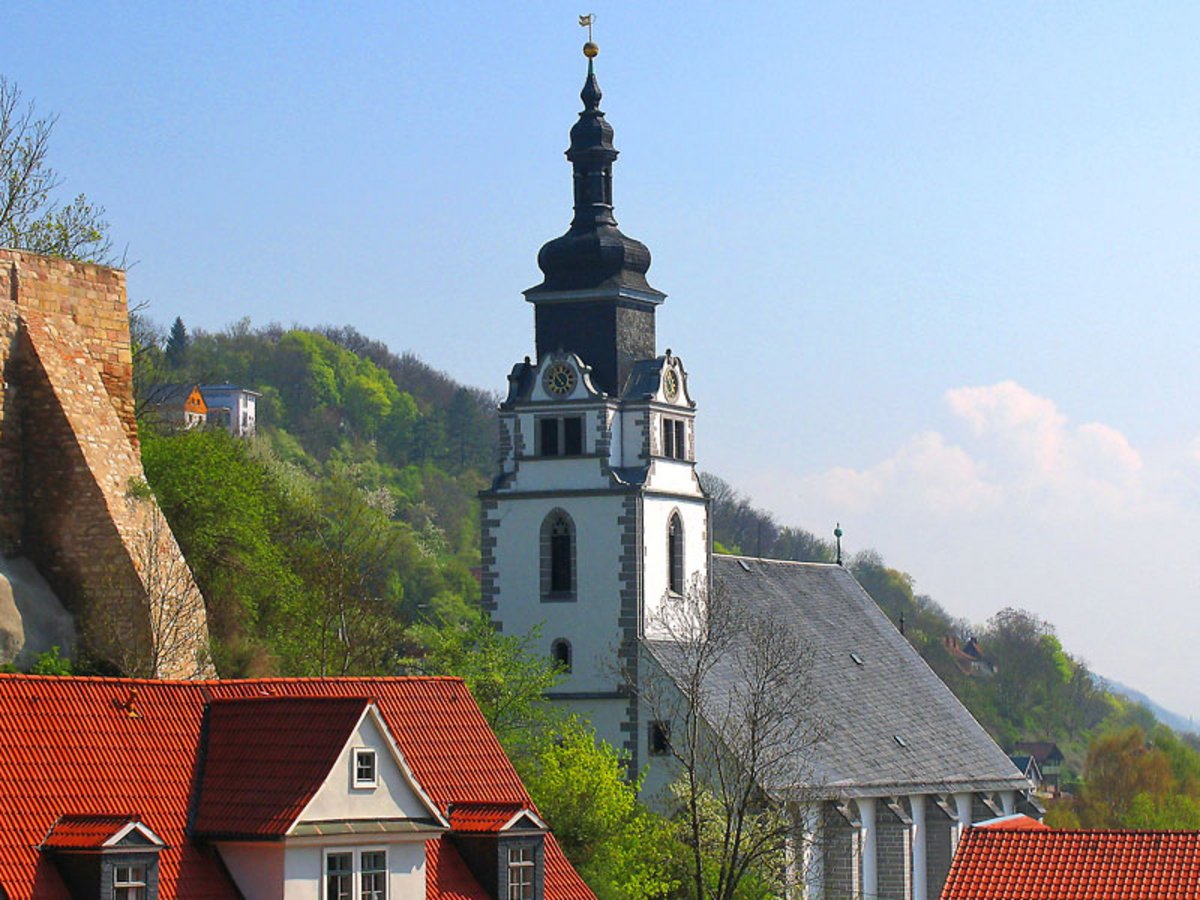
x=72, y=495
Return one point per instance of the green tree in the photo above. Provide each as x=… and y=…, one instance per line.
x=31, y=216
x=579, y=785
x=228, y=511
x=177, y=344
x=504, y=673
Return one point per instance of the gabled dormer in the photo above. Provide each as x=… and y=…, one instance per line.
x=110, y=856
x=504, y=847
x=313, y=790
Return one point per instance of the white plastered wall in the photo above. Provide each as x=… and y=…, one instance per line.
x=590, y=621
x=392, y=798
x=304, y=867
x=656, y=518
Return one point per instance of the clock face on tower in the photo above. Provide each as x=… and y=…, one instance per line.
x=559, y=379
x=671, y=384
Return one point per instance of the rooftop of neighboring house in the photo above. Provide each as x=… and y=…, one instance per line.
x=1016, y=857
x=227, y=389
x=1043, y=751
x=92, y=763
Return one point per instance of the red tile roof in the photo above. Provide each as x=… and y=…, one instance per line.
x=1017, y=821
x=85, y=832
x=266, y=757
x=447, y=876
x=71, y=745
x=483, y=817
x=997, y=863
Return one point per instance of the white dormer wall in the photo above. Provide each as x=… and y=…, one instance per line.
x=392, y=798
x=294, y=869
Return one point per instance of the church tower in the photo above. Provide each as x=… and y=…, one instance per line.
x=596, y=514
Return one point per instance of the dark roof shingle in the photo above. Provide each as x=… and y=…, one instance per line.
x=863, y=707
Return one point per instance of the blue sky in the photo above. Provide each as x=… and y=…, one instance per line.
x=932, y=266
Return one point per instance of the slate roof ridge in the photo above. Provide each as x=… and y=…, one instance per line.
x=784, y=562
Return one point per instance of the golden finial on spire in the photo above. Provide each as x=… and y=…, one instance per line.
x=590, y=50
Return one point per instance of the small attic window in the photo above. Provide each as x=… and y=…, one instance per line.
x=365, y=772
x=129, y=882
x=745, y=565
x=900, y=741
x=858, y=660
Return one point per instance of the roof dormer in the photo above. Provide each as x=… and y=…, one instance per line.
x=503, y=844
x=105, y=855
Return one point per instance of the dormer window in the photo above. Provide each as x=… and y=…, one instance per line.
x=365, y=773
x=560, y=435
x=129, y=882
x=521, y=870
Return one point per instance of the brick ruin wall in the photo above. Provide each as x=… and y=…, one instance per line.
x=69, y=458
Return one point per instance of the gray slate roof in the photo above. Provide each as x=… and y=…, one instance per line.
x=864, y=707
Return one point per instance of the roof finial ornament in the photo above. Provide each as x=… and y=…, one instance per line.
x=590, y=50
x=837, y=533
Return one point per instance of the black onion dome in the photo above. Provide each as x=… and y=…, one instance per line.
x=593, y=253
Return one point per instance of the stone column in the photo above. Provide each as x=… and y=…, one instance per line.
x=866, y=829
x=812, y=854
x=962, y=805
x=1008, y=801
x=920, y=866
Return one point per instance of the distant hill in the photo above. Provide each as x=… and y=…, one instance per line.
x=1180, y=723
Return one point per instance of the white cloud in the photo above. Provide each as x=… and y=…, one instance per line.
x=1016, y=505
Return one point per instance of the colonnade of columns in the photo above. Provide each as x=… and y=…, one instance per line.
x=819, y=871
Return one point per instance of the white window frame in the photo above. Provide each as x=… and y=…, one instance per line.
x=523, y=865
x=136, y=880
x=363, y=753
x=356, y=871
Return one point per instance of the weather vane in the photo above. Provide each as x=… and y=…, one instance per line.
x=589, y=49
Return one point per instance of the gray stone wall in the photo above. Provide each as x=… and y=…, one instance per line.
x=938, y=828
x=842, y=866
x=893, y=855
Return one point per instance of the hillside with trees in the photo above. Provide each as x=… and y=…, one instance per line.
x=1124, y=768
x=341, y=540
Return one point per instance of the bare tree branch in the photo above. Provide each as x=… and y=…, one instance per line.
x=737, y=693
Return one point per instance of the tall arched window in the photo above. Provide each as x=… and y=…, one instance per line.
x=560, y=652
x=558, y=557
x=675, y=554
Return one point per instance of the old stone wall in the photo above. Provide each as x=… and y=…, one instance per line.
x=842, y=856
x=939, y=845
x=894, y=855
x=71, y=477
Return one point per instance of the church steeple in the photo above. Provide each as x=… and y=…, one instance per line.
x=594, y=263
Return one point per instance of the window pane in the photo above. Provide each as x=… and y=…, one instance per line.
x=374, y=875
x=675, y=556
x=560, y=562
x=668, y=438
x=680, y=442
x=339, y=876
x=549, y=436
x=572, y=436
x=364, y=766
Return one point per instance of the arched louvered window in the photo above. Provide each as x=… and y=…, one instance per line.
x=560, y=652
x=558, y=557
x=675, y=554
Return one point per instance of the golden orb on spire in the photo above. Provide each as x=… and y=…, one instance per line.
x=590, y=50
